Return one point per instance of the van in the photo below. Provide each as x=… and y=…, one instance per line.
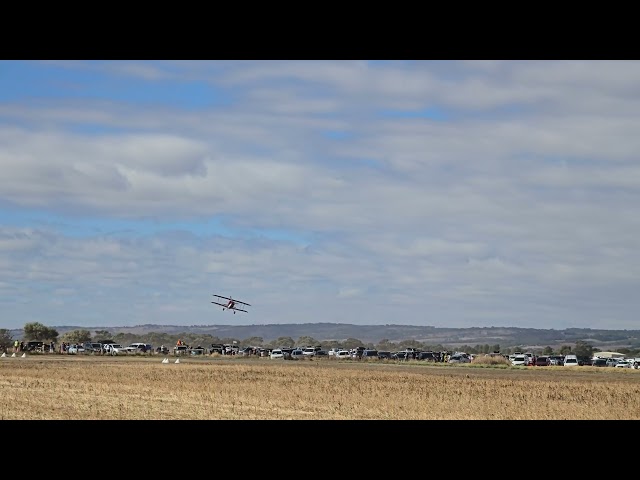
x=520, y=360
x=571, y=361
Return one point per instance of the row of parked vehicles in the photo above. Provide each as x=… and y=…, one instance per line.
x=108, y=348
x=364, y=353
x=526, y=359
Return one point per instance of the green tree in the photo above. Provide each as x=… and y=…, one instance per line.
x=39, y=332
x=583, y=349
x=6, y=340
x=284, y=342
x=253, y=342
x=77, y=336
x=386, y=345
x=102, y=334
x=410, y=344
x=306, y=341
x=565, y=350
x=350, y=343
x=547, y=351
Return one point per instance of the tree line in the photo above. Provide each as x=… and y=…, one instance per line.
x=35, y=331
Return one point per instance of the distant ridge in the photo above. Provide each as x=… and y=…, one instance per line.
x=504, y=336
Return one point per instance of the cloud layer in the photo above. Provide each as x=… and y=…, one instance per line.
x=429, y=193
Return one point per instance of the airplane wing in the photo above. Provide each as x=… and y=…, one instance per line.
x=232, y=308
x=237, y=301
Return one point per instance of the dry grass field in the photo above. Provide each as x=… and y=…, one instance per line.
x=141, y=388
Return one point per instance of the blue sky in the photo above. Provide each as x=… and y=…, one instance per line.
x=444, y=193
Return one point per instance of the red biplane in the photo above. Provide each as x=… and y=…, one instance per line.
x=231, y=304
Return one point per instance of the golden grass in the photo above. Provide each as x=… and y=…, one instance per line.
x=78, y=388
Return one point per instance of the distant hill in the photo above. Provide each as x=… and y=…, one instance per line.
x=503, y=336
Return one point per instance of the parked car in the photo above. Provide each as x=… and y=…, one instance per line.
x=370, y=354
x=310, y=351
x=542, y=361
x=139, y=347
x=276, y=353
x=624, y=364
x=114, y=349
x=180, y=350
x=74, y=349
x=34, y=346
x=162, y=350
x=520, y=360
x=384, y=355
x=92, y=347
x=459, y=358
x=216, y=348
x=556, y=360
x=571, y=361
x=296, y=354
x=342, y=354
x=428, y=356
x=599, y=362
x=612, y=362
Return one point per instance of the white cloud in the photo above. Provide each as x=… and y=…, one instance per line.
x=517, y=208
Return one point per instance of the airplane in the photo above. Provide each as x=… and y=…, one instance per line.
x=231, y=304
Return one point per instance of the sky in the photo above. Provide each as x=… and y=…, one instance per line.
x=440, y=193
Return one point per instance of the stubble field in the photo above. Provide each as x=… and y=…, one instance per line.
x=144, y=388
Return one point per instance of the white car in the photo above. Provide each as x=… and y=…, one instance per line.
x=74, y=349
x=342, y=354
x=114, y=349
x=521, y=360
x=571, y=361
x=276, y=353
x=138, y=347
x=624, y=364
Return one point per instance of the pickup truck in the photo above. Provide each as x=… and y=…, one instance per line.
x=180, y=350
x=139, y=347
x=114, y=349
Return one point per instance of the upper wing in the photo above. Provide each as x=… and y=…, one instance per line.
x=220, y=296
x=237, y=301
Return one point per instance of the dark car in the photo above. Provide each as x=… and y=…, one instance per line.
x=163, y=350
x=428, y=356
x=599, y=362
x=92, y=347
x=556, y=360
x=400, y=356
x=542, y=361
x=370, y=354
x=383, y=354
x=34, y=346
